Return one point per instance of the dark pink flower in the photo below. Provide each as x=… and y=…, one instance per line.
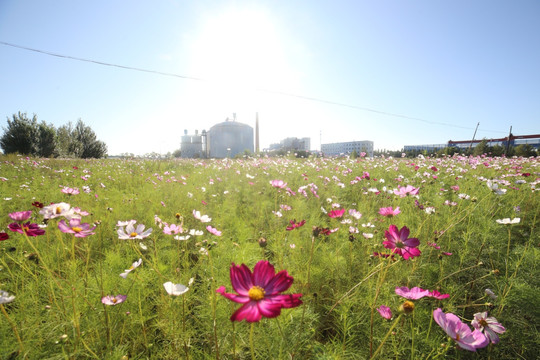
x=389, y=211
x=21, y=215
x=3, y=236
x=26, y=228
x=75, y=227
x=259, y=292
x=400, y=243
x=295, y=225
x=460, y=332
x=336, y=213
x=437, y=295
x=412, y=294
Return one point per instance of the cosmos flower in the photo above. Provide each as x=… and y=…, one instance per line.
x=194, y=232
x=172, y=229
x=20, y=215
x=3, y=236
x=26, y=228
x=175, y=289
x=70, y=191
x=460, y=332
x=385, y=312
x=491, y=294
x=412, y=294
x=5, y=297
x=336, y=213
x=437, y=295
x=488, y=325
x=113, y=300
x=213, y=231
x=260, y=291
x=56, y=210
x=133, y=266
x=201, y=218
x=278, y=183
x=295, y=225
x=495, y=188
x=400, y=243
x=389, y=211
x=75, y=227
x=507, y=221
x=403, y=191
x=355, y=214
x=130, y=232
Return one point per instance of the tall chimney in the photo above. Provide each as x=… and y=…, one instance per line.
x=256, y=133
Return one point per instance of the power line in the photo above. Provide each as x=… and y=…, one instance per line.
x=303, y=97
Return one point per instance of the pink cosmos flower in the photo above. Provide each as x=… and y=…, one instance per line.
x=278, y=183
x=172, y=229
x=489, y=325
x=355, y=214
x=21, y=215
x=400, y=243
x=385, y=312
x=213, y=231
x=26, y=228
x=70, y=191
x=259, y=292
x=295, y=225
x=460, y=332
x=75, y=227
x=412, y=294
x=113, y=300
x=437, y=295
x=389, y=212
x=336, y=213
x=403, y=191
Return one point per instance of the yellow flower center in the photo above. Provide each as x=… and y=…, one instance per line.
x=256, y=293
x=58, y=210
x=483, y=323
x=76, y=229
x=133, y=234
x=407, y=307
x=114, y=300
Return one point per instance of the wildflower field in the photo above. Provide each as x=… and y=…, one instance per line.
x=270, y=258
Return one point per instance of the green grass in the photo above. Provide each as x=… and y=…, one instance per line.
x=59, y=280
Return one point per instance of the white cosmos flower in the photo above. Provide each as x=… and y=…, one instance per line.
x=175, y=289
x=135, y=265
x=201, y=218
x=507, y=221
x=495, y=188
x=194, y=232
x=181, y=238
x=5, y=297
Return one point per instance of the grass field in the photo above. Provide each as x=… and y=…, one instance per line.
x=350, y=259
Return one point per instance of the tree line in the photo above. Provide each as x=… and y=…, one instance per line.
x=27, y=136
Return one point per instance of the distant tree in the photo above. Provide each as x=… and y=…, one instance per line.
x=177, y=153
x=497, y=150
x=84, y=143
x=524, y=150
x=354, y=154
x=21, y=135
x=481, y=148
x=46, y=140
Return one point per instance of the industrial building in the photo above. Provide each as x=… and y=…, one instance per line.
x=345, y=148
x=292, y=144
x=512, y=140
x=226, y=139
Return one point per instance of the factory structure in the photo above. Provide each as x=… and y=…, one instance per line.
x=346, y=148
x=292, y=144
x=512, y=140
x=226, y=139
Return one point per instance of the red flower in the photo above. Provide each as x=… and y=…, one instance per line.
x=259, y=292
x=26, y=228
x=3, y=236
x=295, y=225
x=38, y=204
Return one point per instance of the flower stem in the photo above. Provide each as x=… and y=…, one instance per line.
x=14, y=327
x=386, y=336
x=251, y=341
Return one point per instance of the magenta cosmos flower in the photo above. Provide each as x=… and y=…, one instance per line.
x=213, y=231
x=75, y=227
x=21, y=215
x=460, y=332
x=389, y=212
x=278, y=183
x=385, y=312
x=113, y=300
x=489, y=325
x=400, y=243
x=259, y=292
x=295, y=224
x=336, y=213
x=412, y=294
x=3, y=236
x=26, y=228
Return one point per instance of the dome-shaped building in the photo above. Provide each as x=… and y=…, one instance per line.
x=229, y=138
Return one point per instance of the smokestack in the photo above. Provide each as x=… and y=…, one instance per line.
x=256, y=133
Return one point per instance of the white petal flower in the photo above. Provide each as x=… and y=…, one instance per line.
x=507, y=221
x=175, y=289
x=5, y=297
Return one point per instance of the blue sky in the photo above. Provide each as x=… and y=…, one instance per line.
x=442, y=66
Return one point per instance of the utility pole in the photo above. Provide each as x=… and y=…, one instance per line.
x=508, y=141
x=474, y=135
